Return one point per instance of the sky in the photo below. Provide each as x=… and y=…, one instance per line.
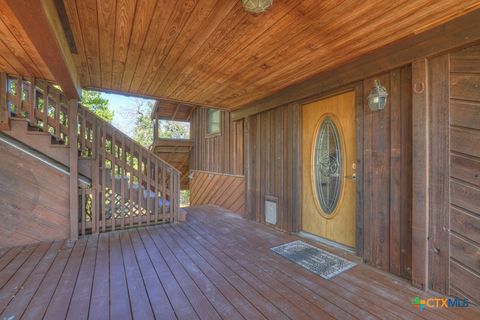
x=125, y=111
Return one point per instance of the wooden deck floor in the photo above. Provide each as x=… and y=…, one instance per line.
x=214, y=266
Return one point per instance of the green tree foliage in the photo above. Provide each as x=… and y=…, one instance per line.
x=93, y=101
x=143, y=132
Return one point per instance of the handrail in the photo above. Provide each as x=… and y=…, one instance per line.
x=126, y=136
x=130, y=185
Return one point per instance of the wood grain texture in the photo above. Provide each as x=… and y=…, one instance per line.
x=18, y=54
x=222, y=152
x=214, y=265
x=273, y=169
x=420, y=163
x=222, y=190
x=34, y=200
x=439, y=173
x=40, y=22
x=177, y=153
x=340, y=225
x=213, y=53
x=464, y=168
x=387, y=182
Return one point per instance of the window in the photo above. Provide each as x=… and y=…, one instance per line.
x=327, y=166
x=213, y=121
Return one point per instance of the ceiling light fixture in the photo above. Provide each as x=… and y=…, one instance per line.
x=257, y=6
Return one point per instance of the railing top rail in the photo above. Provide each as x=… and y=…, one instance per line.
x=129, y=139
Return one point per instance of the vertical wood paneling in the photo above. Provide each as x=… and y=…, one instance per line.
x=439, y=173
x=222, y=153
x=387, y=175
x=420, y=163
x=272, y=141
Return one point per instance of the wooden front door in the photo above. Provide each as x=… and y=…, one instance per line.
x=329, y=183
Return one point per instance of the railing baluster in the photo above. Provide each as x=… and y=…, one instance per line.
x=32, y=98
x=45, y=106
x=58, y=109
x=114, y=180
x=95, y=178
x=170, y=191
x=155, y=163
x=82, y=209
x=122, y=182
x=140, y=195
x=132, y=175
x=149, y=189
x=164, y=192
x=103, y=164
x=4, y=105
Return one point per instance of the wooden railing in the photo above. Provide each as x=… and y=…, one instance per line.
x=130, y=185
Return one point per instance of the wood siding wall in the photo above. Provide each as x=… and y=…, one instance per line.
x=34, y=200
x=387, y=170
x=222, y=152
x=273, y=153
x=273, y=141
x=455, y=174
x=223, y=190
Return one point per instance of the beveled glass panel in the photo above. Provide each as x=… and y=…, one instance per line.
x=327, y=166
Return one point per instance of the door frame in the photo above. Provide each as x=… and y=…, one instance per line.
x=357, y=87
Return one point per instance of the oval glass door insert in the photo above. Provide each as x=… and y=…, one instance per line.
x=327, y=166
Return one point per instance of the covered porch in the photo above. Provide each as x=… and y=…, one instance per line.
x=216, y=265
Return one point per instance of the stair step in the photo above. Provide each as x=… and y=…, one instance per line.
x=66, y=146
x=39, y=133
x=19, y=119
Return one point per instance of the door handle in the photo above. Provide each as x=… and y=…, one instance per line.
x=352, y=177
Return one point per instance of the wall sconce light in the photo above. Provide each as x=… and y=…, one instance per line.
x=377, y=99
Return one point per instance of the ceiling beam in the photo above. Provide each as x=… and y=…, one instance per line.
x=454, y=34
x=41, y=23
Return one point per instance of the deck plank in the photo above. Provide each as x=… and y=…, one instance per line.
x=15, y=283
x=268, y=290
x=15, y=264
x=332, y=303
x=139, y=299
x=100, y=295
x=225, y=309
x=179, y=301
x=17, y=305
x=270, y=239
x=214, y=266
x=80, y=303
x=199, y=302
x=221, y=281
x=119, y=298
x=58, y=307
x=161, y=306
x=39, y=303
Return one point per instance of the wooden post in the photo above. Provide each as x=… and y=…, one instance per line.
x=420, y=169
x=4, y=107
x=73, y=138
x=155, y=129
x=32, y=101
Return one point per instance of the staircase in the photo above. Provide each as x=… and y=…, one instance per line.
x=128, y=185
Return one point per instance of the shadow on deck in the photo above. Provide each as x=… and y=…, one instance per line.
x=216, y=265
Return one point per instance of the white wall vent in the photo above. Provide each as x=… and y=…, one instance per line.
x=271, y=210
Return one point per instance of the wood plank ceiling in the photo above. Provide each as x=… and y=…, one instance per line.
x=17, y=53
x=211, y=52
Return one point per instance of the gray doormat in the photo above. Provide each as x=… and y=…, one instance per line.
x=316, y=260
